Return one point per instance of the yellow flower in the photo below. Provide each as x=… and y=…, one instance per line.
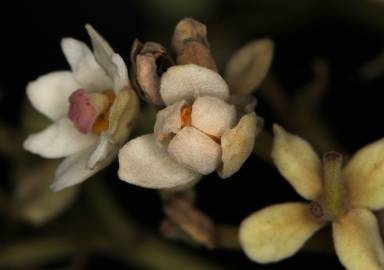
x=342, y=197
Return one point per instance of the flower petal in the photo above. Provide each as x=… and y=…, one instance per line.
x=248, y=66
x=49, y=93
x=212, y=115
x=357, y=241
x=190, y=81
x=364, y=176
x=122, y=115
x=105, y=148
x=143, y=163
x=74, y=169
x=85, y=69
x=237, y=144
x=168, y=121
x=61, y=139
x=112, y=63
x=194, y=149
x=277, y=232
x=297, y=162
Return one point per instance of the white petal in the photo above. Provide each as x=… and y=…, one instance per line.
x=248, y=66
x=105, y=148
x=120, y=73
x=74, y=169
x=195, y=150
x=277, y=232
x=143, y=163
x=61, y=139
x=168, y=121
x=212, y=115
x=85, y=69
x=237, y=144
x=297, y=162
x=112, y=63
x=364, y=176
x=358, y=242
x=49, y=93
x=190, y=81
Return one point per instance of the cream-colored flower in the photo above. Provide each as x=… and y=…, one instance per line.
x=199, y=131
x=92, y=107
x=343, y=197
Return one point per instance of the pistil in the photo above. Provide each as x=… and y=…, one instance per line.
x=333, y=199
x=89, y=112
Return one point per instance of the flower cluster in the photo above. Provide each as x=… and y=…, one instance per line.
x=205, y=122
x=202, y=128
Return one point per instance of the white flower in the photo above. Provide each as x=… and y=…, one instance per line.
x=92, y=107
x=197, y=133
x=344, y=197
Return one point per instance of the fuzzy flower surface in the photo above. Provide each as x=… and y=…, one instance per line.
x=344, y=197
x=208, y=123
x=92, y=108
x=198, y=132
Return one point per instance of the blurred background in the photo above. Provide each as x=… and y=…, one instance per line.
x=326, y=84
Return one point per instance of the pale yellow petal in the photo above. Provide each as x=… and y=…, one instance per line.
x=297, y=162
x=123, y=114
x=237, y=144
x=248, y=66
x=277, y=232
x=364, y=176
x=357, y=241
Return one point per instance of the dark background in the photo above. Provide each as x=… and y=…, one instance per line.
x=346, y=34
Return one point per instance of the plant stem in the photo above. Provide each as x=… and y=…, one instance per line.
x=44, y=250
x=135, y=245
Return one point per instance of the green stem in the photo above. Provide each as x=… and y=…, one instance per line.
x=43, y=250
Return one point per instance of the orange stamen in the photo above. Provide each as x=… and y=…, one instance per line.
x=185, y=116
x=102, y=121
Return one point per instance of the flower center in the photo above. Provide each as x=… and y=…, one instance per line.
x=90, y=111
x=186, y=121
x=186, y=116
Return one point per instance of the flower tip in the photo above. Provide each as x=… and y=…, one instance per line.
x=56, y=187
x=277, y=129
x=332, y=155
x=59, y=183
x=89, y=28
